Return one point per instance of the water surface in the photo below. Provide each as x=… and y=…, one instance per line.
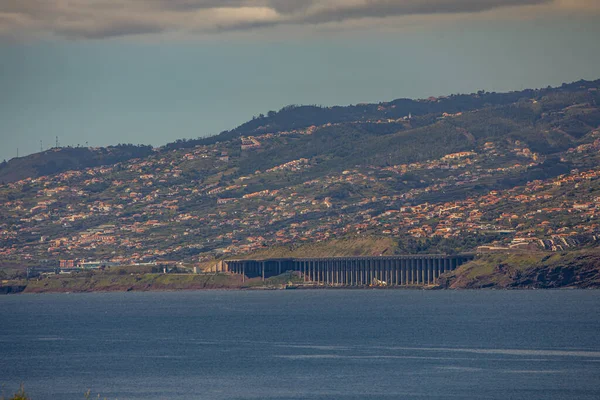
x=303, y=344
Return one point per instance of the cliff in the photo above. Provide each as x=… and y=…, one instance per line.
x=535, y=270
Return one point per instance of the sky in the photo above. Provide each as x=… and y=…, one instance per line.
x=102, y=72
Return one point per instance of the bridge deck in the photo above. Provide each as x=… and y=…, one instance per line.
x=398, y=270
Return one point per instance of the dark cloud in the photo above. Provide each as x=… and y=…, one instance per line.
x=290, y=7
x=340, y=11
x=112, y=29
x=26, y=7
x=109, y=18
x=191, y=5
x=382, y=9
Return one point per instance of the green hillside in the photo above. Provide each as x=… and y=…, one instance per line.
x=538, y=270
x=67, y=159
x=449, y=174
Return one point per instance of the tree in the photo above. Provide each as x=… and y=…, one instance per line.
x=20, y=395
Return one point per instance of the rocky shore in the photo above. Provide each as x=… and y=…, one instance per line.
x=530, y=270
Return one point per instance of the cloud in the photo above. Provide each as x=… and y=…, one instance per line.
x=101, y=29
x=325, y=12
x=112, y=18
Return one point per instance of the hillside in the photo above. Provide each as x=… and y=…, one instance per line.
x=67, y=159
x=448, y=174
x=538, y=270
x=349, y=247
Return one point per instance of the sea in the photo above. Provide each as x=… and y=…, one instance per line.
x=302, y=344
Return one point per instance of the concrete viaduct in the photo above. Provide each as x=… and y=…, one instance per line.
x=421, y=269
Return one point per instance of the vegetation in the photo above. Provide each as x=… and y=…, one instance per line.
x=297, y=117
x=19, y=395
x=68, y=158
x=346, y=247
x=437, y=175
x=121, y=279
x=528, y=270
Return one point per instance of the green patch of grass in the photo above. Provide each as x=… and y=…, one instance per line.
x=101, y=281
x=508, y=269
x=347, y=247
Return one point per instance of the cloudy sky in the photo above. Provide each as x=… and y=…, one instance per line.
x=151, y=71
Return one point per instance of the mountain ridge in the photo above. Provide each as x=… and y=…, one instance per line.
x=291, y=117
x=473, y=173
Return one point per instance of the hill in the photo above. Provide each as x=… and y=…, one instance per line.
x=446, y=174
x=67, y=159
x=539, y=270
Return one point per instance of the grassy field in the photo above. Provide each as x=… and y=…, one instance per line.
x=359, y=246
x=528, y=270
x=120, y=279
x=144, y=278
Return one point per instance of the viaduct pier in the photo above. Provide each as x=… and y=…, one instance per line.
x=421, y=269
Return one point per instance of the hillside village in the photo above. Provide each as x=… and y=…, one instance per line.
x=483, y=192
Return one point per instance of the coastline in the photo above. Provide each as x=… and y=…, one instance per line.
x=24, y=291
x=494, y=271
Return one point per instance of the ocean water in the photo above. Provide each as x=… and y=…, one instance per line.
x=303, y=344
